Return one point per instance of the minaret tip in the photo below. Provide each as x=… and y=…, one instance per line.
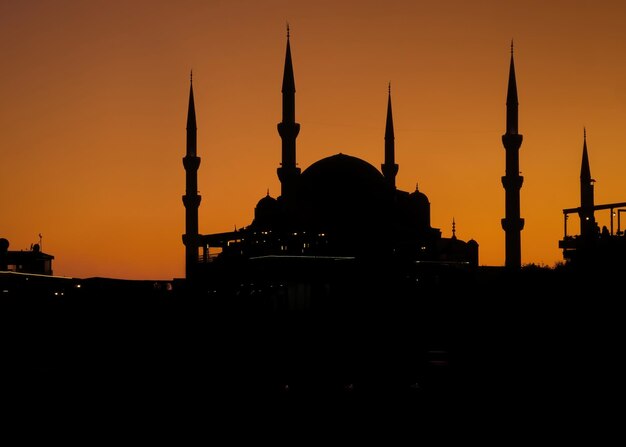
x=389, y=88
x=511, y=47
x=191, y=76
x=584, y=133
x=287, y=30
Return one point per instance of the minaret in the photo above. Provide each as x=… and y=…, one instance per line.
x=587, y=219
x=389, y=167
x=288, y=129
x=512, y=224
x=191, y=199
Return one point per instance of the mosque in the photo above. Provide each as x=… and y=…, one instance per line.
x=340, y=208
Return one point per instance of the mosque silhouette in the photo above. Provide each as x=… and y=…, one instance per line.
x=338, y=285
x=340, y=211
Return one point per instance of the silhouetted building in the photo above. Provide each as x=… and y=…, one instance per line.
x=28, y=261
x=593, y=248
x=512, y=224
x=339, y=208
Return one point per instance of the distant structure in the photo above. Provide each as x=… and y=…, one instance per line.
x=593, y=247
x=512, y=181
x=341, y=208
x=25, y=261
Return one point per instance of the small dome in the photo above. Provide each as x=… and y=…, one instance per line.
x=419, y=196
x=421, y=208
x=265, y=211
x=266, y=201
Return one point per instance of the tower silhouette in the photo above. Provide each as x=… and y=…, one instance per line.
x=191, y=199
x=288, y=129
x=389, y=167
x=587, y=219
x=512, y=224
x=593, y=250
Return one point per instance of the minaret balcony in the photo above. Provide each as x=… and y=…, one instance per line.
x=192, y=201
x=512, y=224
x=512, y=141
x=288, y=130
x=513, y=182
x=191, y=162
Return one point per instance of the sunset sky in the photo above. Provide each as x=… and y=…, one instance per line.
x=93, y=103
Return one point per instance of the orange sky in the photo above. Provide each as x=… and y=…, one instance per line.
x=93, y=102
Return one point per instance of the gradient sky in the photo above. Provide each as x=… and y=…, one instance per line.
x=93, y=103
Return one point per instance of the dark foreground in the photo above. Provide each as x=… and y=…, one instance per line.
x=529, y=347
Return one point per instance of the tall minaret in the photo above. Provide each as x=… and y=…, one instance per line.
x=389, y=167
x=512, y=224
x=288, y=129
x=191, y=199
x=587, y=218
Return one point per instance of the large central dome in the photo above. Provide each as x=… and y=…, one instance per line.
x=345, y=197
x=343, y=171
x=342, y=179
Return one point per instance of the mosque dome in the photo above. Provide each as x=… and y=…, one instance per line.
x=419, y=197
x=265, y=211
x=420, y=208
x=345, y=197
x=343, y=172
x=266, y=202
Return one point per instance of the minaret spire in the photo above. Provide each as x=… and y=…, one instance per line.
x=288, y=129
x=191, y=120
x=587, y=217
x=389, y=167
x=191, y=199
x=511, y=99
x=512, y=224
x=585, y=171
